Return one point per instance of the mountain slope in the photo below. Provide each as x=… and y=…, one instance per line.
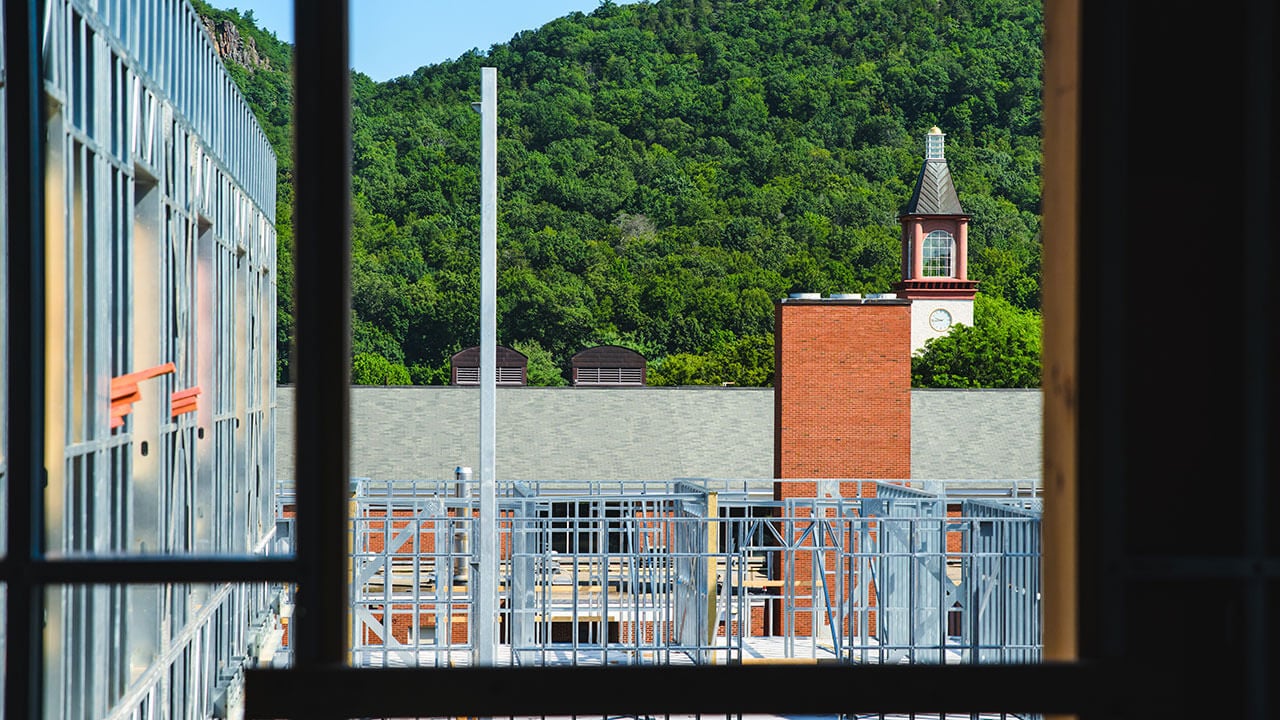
x=669, y=169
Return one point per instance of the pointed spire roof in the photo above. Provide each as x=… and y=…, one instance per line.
x=935, y=194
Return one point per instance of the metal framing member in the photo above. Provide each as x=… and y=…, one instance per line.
x=609, y=691
x=24, y=208
x=322, y=258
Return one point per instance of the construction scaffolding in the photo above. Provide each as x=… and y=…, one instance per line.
x=699, y=572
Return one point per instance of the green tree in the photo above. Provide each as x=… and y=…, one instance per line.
x=746, y=361
x=373, y=369
x=542, y=370
x=1000, y=350
x=668, y=170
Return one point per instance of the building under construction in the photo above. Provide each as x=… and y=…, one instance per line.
x=839, y=554
x=700, y=572
x=146, y=566
x=142, y=291
x=842, y=556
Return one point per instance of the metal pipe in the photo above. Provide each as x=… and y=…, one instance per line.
x=462, y=528
x=487, y=529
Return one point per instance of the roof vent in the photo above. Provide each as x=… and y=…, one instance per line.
x=882, y=296
x=806, y=296
x=846, y=296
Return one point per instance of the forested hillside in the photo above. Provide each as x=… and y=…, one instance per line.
x=668, y=170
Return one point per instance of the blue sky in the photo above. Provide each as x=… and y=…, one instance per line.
x=390, y=38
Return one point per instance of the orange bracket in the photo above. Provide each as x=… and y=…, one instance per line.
x=184, y=401
x=125, y=392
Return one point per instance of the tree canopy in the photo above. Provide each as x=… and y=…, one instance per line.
x=668, y=170
x=1000, y=349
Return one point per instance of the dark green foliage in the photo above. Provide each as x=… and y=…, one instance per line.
x=269, y=91
x=1000, y=350
x=373, y=369
x=542, y=369
x=748, y=361
x=668, y=170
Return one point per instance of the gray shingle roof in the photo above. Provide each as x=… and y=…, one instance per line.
x=935, y=193
x=975, y=434
x=651, y=433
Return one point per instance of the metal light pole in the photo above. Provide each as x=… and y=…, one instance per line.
x=486, y=558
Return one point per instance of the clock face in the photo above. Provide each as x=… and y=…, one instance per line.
x=940, y=320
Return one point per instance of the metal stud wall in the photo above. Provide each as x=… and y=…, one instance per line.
x=598, y=573
x=159, y=359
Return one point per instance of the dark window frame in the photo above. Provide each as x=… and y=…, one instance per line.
x=319, y=685
x=1085, y=471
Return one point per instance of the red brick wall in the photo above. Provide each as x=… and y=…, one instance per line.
x=403, y=618
x=955, y=539
x=374, y=529
x=842, y=390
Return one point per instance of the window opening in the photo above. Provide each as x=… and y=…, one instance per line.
x=939, y=254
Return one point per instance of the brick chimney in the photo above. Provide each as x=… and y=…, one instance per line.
x=842, y=390
x=842, y=409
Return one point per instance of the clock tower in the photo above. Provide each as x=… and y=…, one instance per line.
x=935, y=246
